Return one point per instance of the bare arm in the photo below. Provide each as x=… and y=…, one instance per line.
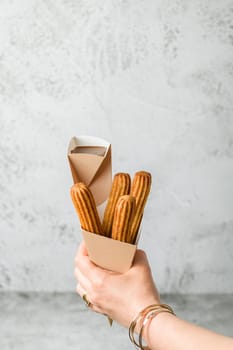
x=168, y=332
x=123, y=296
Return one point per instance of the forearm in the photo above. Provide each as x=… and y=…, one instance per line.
x=168, y=332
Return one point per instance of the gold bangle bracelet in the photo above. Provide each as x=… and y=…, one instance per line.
x=143, y=318
x=138, y=320
x=147, y=319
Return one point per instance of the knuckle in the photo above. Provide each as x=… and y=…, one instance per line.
x=81, y=264
x=76, y=259
x=99, y=282
x=95, y=298
x=78, y=289
x=76, y=272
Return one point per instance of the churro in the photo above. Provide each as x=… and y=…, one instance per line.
x=120, y=187
x=123, y=216
x=140, y=189
x=84, y=204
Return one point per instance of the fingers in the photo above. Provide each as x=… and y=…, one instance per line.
x=82, y=279
x=82, y=292
x=91, y=278
x=82, y=261
x=91, y=271
x=82, y=250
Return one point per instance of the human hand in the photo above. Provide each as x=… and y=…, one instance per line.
x=120, y=296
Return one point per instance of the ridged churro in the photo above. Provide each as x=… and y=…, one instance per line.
x=140, y=189
x=84, y=204
x=120, y=187
x=123, y=216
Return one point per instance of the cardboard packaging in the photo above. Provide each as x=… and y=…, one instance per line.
x=109, y=253
x=90, y=162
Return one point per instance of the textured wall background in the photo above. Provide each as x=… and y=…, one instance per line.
x=153, y=77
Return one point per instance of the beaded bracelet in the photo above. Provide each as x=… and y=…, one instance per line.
x=143, y=318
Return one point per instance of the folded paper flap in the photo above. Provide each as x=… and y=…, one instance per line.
x=109, y=253
x=86, y=166
x=90, y=163
x=104, y=166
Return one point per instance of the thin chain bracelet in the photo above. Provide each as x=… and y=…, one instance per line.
x=143, y=318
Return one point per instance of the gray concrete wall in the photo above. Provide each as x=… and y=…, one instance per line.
x=153, y=77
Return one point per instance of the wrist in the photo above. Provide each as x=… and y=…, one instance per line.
x=156, y=327
x=140, y=308
x=141, y=324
